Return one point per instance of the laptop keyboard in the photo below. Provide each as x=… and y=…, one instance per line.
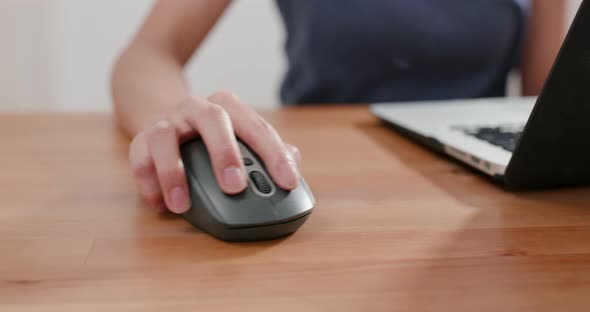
x=503, y=137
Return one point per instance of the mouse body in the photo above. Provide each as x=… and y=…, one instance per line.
x=262, y=211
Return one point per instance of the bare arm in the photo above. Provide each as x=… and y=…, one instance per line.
x=148, y=77
x=544, y=38
x=153, y=104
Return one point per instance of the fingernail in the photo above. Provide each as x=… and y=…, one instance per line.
x=234, y=179
x=289, y=174
x=179, y=202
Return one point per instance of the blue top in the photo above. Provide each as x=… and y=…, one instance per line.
x=350, y=51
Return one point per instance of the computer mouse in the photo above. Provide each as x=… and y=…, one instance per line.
x=263, y=211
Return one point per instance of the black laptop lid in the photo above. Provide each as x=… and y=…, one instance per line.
x=554, y=149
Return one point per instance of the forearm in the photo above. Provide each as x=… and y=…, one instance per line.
x=545, y=35
x=145, y=86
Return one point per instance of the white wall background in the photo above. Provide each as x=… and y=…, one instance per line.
x=57, y=54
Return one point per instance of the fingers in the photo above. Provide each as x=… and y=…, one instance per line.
x=265, y=141
x=262, y=138
x=295, y=153
x=145, y=172
x=215, y=128
x=164, y=150
x=155, y=158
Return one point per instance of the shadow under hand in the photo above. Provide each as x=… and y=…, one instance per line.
x=168, y=238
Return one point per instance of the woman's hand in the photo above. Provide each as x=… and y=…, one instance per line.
x=155, y=157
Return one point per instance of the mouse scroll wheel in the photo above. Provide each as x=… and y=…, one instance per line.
x=261, y=182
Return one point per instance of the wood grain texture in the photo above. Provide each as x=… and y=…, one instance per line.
x=396, y=228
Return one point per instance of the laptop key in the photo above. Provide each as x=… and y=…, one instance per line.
x=501, y=137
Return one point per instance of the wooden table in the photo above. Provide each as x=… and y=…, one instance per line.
x=396, y=228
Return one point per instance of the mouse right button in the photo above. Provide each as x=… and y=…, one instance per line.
x=295, y=203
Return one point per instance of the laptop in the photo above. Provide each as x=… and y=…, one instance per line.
x=524, y=142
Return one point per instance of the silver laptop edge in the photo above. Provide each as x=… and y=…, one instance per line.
x=447, y=123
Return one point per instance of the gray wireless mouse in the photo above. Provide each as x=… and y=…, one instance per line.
x=261, y=212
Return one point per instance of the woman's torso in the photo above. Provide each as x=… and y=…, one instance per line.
x=396, y=50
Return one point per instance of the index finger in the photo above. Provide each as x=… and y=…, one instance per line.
x=215, y=128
